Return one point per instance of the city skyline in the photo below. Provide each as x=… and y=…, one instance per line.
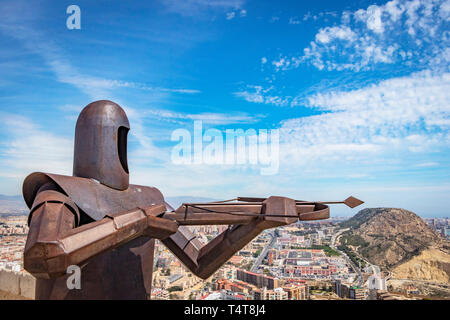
x=359, y=92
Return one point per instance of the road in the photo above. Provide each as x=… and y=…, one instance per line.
x=264, y=252
x=333, y=245
x=335, y=236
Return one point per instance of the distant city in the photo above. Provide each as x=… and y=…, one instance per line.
x=297, y=262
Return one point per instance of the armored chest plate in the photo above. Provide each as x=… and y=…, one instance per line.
x=95, y=199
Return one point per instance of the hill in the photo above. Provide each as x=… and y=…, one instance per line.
x=391, y=238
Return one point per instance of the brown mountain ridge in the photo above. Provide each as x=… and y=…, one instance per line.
x=392, y=237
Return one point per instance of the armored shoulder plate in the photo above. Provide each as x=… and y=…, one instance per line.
x=95, y=199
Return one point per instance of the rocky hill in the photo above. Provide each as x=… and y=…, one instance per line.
x=398, y=239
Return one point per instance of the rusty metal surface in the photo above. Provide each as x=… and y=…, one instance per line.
x=206, y=218
x=273, y=208
x=276, y=208
x=352, y=202
x=54, y=243
x=321, y=211
x=100, y=144
x=95, y=199
x=48, y=222
x=122, y=273
x=57, y=197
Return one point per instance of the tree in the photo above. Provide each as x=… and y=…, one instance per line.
x=175, y=288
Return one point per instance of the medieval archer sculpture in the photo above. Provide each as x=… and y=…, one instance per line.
x=98, y=221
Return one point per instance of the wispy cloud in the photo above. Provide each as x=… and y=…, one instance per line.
x=427, y=164
x=258, y=94
x=294, y=20
x=238, y=13
x=55, y=58
x=211, y=118
x=274, y=19
x=197, y=8
x=230, y=15
x=94, y=87
x=85, y=82
x=30, y=148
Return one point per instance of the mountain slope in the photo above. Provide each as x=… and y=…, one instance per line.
x=432, y=264
x=390, y=237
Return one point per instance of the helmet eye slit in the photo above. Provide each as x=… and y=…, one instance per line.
x=122, y=147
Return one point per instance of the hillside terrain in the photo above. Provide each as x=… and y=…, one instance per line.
x=400, y=241
x=431, y=265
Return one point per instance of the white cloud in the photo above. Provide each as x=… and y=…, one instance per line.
x=409, y=32
x=427, y=164
x=95, y=87
x=324, y=14
x=392, y=119
x=294, y=20
x=206, y=117
x=233, y=14
x=328, y=34
x=30, y=148
x=392, y=126
x=258, y=94
x=372, y=18
x=274, y=19
x=197, y=8
x=230, y=15
x=87, y=83
x=307, y=16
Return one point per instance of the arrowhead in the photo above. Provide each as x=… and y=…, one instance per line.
x=352, y=202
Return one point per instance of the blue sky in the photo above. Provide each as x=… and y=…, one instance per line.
x=359, y=90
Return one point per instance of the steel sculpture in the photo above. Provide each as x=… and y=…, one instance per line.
x=106, y=226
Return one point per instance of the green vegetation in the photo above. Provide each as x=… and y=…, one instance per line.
x=175, y=288
x=359, y=218
x=320, y=289
x=355, y=259
x=349, y=239
x=303, y=233
x=248, y=266
x=165, y=272
x=173, y=297
x=330, y=252
x=256, y=253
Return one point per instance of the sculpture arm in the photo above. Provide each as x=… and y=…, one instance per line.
x=54, y=241
x=204, y=260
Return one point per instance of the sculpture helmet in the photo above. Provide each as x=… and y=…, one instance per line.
x=101, y=144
